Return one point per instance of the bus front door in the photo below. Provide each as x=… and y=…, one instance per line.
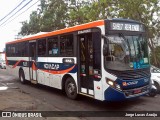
x=32, y=61
x=86, y=64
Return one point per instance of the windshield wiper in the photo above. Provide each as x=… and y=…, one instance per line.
x=105, y=46
x=139, y=45
x=106, y=39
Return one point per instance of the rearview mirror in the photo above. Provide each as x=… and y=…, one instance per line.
x=105, y=49
x=105, y=46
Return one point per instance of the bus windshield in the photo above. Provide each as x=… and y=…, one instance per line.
x=126, y=52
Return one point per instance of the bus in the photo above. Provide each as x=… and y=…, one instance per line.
x=106, y=59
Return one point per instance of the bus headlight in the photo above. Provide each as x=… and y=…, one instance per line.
x=113, y=84
x=110, y=82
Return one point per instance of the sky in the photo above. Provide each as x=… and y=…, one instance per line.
x=9, y=28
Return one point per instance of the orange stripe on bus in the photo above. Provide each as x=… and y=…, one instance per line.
x=17, y=63
x=59, y=72
x=34, y=66
x=66, y=30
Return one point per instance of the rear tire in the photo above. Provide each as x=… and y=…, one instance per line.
x=22, y=77
x=70, y=88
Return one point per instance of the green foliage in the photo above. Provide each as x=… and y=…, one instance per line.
x=57, y=14
x=51, y=15
x=90, y=11
x=157, y=54
x=54, y=17
x=25, y=29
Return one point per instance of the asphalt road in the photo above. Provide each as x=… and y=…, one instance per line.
x=55, y=100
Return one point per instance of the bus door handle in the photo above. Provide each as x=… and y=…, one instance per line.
x=97, y=76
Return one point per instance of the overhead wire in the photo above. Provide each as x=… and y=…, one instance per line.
x=12, y=10
x=22, y=12
x=16, y=12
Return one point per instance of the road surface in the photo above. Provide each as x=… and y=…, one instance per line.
x=29, y=97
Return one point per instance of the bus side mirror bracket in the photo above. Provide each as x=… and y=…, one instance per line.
x=105, y=46
x=105, y=50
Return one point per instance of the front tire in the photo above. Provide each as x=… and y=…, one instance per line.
x=152, y=94
x=22, y=77
x=71, y=88
x=157, y=86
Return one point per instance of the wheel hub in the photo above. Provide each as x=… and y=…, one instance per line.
x=71, y=88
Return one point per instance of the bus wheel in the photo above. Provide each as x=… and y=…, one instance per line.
x=70, y=88
x=21, y=76
x=157, y=86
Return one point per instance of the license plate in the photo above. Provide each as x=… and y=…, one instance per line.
x=137, y=91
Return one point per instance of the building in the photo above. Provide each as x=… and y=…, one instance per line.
x=2, y=56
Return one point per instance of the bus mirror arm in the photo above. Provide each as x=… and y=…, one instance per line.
x=106, y=40
x=105, y=46
x=105, y=49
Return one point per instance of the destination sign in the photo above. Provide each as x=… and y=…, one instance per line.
x=126, y=26
x=84, y=31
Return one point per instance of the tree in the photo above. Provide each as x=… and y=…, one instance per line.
x=54, y=16
x=144, y=11
x=87, y=11
x=141, y=10
x=25, y=29
x=51, y=15
x=157, y=54
x=34, y=23
x=78, y=12
x=58, y=14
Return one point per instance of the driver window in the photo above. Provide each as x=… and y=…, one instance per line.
x=115, y=52
x=117, y=49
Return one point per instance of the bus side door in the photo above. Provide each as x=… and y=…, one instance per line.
x=32, y=61
x=86, y=63
x=89, y=60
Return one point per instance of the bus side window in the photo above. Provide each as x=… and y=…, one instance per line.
x=33, y=52
x=8, y=50
x=66, y=45
x=53, y=47
x=97, y=51
x=24, y=48
x=13, y=50
x=42, y=47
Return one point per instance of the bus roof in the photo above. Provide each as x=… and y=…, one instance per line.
x=61, y=31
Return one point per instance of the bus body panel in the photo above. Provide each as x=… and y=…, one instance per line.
x=15, y=63
x=45, y=77
x=50, y=71
x=98, y=90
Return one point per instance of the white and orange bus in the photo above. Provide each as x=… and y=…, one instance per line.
x=105, y=59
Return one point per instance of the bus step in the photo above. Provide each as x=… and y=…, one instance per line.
x=34, y=81
x=86, y=95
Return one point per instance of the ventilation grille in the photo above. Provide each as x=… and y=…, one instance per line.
x=131, y=74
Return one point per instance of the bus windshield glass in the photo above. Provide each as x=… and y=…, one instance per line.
x=126, y=52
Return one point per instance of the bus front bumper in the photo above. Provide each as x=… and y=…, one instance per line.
x=112, y=94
